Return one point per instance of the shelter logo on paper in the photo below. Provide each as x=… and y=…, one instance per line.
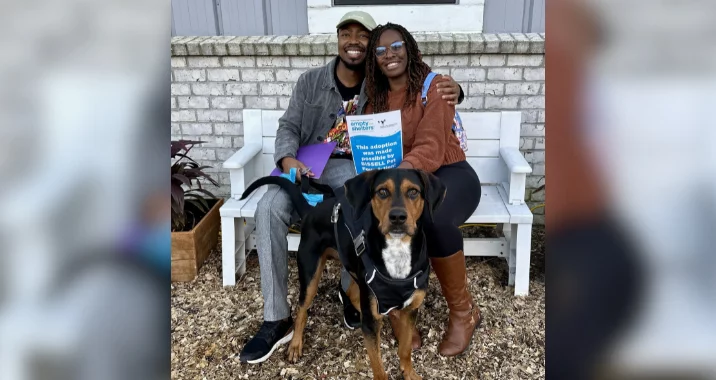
x=361, y=125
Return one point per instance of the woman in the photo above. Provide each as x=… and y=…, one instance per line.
x=394, y=78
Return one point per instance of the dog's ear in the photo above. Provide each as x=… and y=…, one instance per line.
x=434, y=192
x=358, y=190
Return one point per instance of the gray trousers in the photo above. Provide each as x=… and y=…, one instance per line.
x=274, y=215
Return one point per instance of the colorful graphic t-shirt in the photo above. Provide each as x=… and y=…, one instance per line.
x=339, y=132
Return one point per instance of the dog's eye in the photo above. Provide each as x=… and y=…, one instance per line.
x=412, y=193
x=383, y=193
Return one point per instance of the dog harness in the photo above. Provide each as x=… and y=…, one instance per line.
x=390, y=293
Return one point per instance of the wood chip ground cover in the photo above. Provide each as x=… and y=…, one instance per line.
x=210, y=325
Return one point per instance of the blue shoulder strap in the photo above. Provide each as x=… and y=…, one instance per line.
x=426, y=86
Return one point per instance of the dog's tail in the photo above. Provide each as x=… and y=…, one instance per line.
x=294, y=192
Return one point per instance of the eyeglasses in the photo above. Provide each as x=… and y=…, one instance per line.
x=394, y=47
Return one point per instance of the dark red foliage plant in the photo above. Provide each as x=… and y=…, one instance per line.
x=189, y=199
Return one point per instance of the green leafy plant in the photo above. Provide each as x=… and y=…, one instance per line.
x=189, y=204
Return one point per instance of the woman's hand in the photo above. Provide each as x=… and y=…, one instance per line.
x=450, y=90
x=405, y=165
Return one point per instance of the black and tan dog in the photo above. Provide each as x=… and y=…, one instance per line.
x=373, y=225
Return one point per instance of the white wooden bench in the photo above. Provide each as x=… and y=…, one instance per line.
x=493, y=150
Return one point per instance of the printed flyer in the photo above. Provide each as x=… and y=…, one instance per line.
x=376, y=140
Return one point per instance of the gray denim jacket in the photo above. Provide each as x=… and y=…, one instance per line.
x=311, y=111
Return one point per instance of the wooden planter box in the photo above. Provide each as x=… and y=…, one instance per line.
x=191, y=248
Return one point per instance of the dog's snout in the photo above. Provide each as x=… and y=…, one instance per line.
x=398, y=216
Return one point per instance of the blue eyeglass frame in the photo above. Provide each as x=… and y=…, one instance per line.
x=394, y=47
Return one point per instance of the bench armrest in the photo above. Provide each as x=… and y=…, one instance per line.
x=514, y=160
x=242, y=156
x=243, y=166
x=518, y=169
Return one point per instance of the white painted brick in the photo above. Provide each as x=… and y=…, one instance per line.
x=223, y=75
x=189, y=75
x=183, y=115
x=541, y=116
x=528, y=156
x=276, y=88
x=472, y=103
x=227, y=102
x=178, y=62
x=193, y=102
x=236, y=115
x=525, y=60
x=442, y=70
x=262, y=102
x=212, y=115
x=257, y=75
x=228, y=129
x=539, y=197
x=180, y=89
x=481, y=89
x=468, y=74
x=208, y=89
x=173, y=102
x=539, y=143
x=203, y=154
x=542, y=89
x=176, y=130
x=289, y=75
x=534, y=74
x=490, y=60
x=534, y=181
x=197, y=129
x=224, y=154
x=283, y=102
x=238, y=61
x=225, y=191
x=238, y=142
x=538, y=158
x=522, y=88
x=504, y=74
x=203, y=61
x=530, y=116
x=527, y=143
x=242, y=89
x=501, y=102
x=272, y=62
x=217, y=142
x=307, y=61
x=532, y=102
x=451, y=60
x=538, y=169
x=532, y=130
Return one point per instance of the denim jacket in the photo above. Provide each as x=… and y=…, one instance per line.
x=311, y=111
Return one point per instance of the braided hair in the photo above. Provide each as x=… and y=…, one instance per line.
x=377, y=85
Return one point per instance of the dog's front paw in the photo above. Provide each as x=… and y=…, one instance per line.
x=295, y=349
x=411, y=375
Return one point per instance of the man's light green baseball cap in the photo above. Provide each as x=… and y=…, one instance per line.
x=359, y=17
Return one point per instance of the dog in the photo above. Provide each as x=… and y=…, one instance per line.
x=373, y=225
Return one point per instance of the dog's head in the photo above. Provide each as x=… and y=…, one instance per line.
x=399, y=197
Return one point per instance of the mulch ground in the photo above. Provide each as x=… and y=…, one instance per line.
x=211, y=324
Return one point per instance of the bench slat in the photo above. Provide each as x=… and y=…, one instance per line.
x=491, y=208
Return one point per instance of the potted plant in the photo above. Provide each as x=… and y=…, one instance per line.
x=195, y=213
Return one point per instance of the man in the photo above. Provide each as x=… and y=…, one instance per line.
x=316, y=113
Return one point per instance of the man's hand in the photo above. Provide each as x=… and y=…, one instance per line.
x=289, y=162
x=449, y=89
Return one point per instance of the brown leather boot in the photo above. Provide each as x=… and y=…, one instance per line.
x=464, y=315
x=395, y=324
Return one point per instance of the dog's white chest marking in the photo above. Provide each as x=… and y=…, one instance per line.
x=396, y=257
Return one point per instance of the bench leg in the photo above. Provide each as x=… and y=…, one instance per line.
x=523, y=247
x=232, y=237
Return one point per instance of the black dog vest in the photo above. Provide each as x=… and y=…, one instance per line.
x=389, y=293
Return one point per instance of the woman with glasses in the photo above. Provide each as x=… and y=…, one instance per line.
x=395, y=74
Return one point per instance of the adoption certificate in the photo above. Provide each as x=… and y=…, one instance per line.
x=376, y=140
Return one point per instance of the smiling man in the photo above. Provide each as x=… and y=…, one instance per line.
x=316, y=113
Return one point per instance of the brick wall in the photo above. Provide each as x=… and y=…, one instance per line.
x=214, y=78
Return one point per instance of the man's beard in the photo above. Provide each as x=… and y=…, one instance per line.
x=353, y=66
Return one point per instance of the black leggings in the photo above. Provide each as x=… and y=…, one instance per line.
x=463, y=195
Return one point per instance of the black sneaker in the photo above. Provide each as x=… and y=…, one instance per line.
x=270, y=336
x=351, y=316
